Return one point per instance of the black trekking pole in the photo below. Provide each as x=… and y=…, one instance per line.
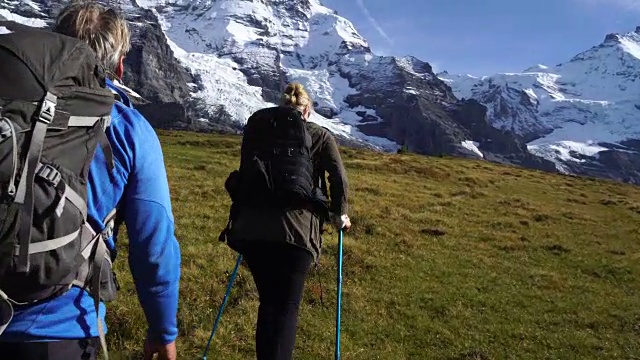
x=224, y=302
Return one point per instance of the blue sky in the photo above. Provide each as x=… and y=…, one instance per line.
x=482, y=37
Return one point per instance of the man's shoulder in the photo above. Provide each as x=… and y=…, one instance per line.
x=128, y=119
x=124, y=94
x=129, y=130
x=123, y=106
x=127, y=113
x=124, y=113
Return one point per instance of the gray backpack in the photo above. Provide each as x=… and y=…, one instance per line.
x=54, y=109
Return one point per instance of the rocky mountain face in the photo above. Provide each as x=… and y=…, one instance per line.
x=151, y=68
x=155, y=74
x=583, y=114
x=208, y=64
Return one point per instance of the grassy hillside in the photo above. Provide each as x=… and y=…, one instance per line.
x=448, y=259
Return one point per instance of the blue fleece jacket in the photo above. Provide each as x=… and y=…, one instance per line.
x=140, y=183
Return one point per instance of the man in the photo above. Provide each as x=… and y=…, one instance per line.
x=65, y=327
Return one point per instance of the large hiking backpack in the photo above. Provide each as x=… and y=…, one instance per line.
x=276, y=166
x=54, y=108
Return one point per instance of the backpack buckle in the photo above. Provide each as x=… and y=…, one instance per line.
x=110, y=226
x=48, y=108
x=108, y=231
x=50, y=174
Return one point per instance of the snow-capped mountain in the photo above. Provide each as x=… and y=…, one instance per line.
x=208, y=64
x=583, y=114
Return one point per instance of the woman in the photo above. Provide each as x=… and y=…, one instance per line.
x=279, y=243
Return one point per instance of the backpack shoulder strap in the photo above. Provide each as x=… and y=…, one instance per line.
x=89, y=275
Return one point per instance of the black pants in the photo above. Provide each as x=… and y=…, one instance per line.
x=85, y=349
x=279, y=271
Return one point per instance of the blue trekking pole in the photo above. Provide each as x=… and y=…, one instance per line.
x=339, y=301
x=224, y=302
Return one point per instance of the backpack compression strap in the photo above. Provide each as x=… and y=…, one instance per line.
x=24, y=194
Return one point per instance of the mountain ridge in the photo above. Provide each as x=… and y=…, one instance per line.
x=581, y=114
x=357, y=93
x=210, y=64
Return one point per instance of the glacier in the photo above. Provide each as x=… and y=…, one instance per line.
x=207, y=38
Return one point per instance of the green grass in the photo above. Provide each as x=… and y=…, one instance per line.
x=448, y=259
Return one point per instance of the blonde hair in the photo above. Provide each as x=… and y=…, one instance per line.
x=104, y=29
x=296, y=96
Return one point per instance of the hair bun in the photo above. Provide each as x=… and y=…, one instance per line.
x=295, y=95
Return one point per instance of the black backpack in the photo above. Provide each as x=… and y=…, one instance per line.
x=54, y=109
x=276, y=168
